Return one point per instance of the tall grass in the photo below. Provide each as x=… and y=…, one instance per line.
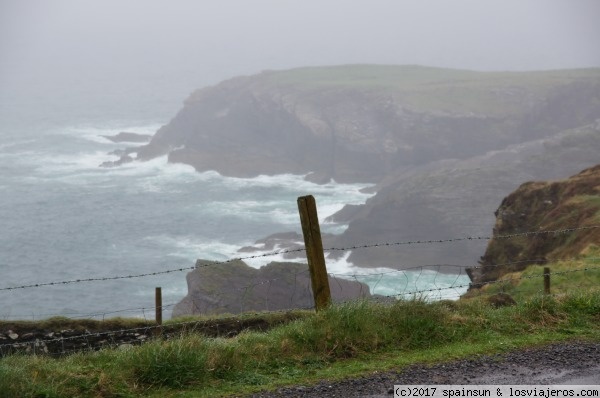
x=302, y=347
x=566, y=276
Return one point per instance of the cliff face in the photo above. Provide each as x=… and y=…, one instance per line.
x=361, y=123
x=442, y=146
x=456, y=198
x=543, y=206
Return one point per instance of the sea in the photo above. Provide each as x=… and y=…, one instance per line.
x=64, y=218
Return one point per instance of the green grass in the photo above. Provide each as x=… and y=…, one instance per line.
x=426, y=88
x=344, y=340
x=579, y=274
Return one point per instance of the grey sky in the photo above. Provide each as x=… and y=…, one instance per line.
x=213, y=40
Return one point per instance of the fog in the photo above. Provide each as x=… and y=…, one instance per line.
x=63, y=43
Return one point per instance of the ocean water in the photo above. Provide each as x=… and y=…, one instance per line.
x=65, y=218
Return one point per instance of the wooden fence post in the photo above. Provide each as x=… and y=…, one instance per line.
x=307, y=208
x=546, y=280
x=158, y=305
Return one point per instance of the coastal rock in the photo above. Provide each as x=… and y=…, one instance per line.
x=574, y=204
x=235, y=288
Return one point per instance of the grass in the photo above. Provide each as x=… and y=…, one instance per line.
x=342, y=341
x=426, y=88
x=578, y=274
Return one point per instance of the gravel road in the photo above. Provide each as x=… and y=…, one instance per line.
x=564, y=363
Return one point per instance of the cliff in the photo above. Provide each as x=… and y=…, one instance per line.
x=235, y=288
x=543, y=206
x=456, y=198
x=440, y=145
x=360, y=123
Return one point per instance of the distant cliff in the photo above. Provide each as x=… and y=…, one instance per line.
x=543, y=206
x=441, y=146
x=360, y=123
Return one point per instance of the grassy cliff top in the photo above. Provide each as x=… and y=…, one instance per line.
x=424, y=88
x=411, y=76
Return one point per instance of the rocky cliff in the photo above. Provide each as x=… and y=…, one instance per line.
x=456, y=198
x=442, y=146
x=235, y=287
x=543, y=206
x=361, y=123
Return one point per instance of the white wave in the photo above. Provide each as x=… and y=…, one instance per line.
x=428, y=284
x=282, y=211
x=294, y=182
x=191, y=247
x=283, y=192
x=82, y=161
x=264, y=257
x=96, y=133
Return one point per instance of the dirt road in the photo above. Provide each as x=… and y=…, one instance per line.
x=565, y=363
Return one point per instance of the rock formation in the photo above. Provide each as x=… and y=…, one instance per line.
x=361, y=123
x=543, y=206
x=235, y=287
x=441, y=145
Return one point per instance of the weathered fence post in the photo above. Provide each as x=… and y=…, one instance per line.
x=158, y=305
x=314, y=251
x=546, y=280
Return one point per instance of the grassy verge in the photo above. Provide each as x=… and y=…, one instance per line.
x=342, y=341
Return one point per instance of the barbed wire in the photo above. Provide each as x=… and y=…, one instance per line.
x=289, y=251
x=464, y=238
x=110, y=278
x=348, y=276
x=478, y=285
x=80, y=315
x=40, y=343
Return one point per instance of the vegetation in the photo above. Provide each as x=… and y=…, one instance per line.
x=581, y=273
x=341, y=341
x=304, y=347
x=425, y=88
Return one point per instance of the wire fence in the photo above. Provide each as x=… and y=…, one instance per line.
x=70, y=341
x=289, y=251
x=429, y=282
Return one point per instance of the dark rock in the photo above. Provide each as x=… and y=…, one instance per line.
x=235, y=287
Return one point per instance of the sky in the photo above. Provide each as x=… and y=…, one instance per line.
x=51, y=43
